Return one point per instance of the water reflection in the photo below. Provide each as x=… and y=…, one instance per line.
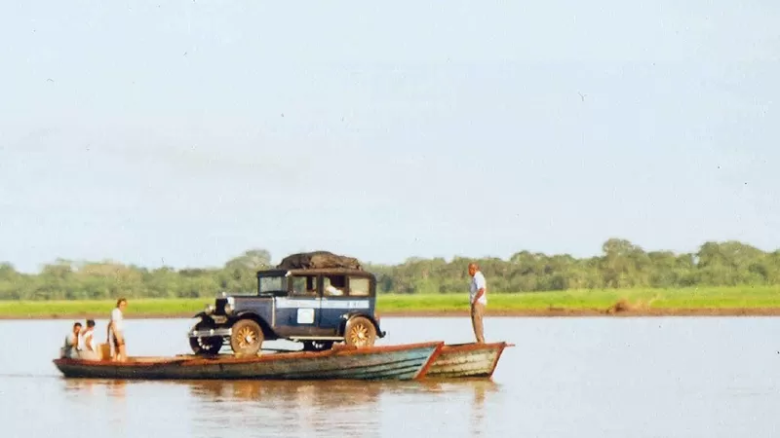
x=480, y=390
x=330, y=407
x=285, y=407
x=81, y=387
x=327, y=394
x=294, y=408
x=116, y=389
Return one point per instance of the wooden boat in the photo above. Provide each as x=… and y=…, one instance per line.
x=466, y=360
x=394, y=362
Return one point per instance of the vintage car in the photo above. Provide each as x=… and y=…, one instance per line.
x=315, y=306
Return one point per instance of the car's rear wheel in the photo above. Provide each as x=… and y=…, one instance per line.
x=317, y=345
x=205, y=345
x=360, y=332
x=246, y=338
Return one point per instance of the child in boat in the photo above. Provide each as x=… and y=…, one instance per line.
x=88, y=348
x=69, y=350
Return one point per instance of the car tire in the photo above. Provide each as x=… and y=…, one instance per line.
x=246, y=338
x=360, y=332
x=205, y=345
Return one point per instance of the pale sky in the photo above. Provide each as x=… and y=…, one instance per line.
x=186, y=132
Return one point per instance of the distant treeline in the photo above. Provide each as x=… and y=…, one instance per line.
x=621, y=265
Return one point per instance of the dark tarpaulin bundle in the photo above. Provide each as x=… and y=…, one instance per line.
x=319, y=260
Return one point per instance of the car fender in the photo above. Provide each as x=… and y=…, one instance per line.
x=202, y=315
x=248, y=314
x=241, y=314
x=348, y=316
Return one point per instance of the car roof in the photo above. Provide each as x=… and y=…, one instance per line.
x=324, y=271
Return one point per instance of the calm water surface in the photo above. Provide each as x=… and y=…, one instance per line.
x=578, y=377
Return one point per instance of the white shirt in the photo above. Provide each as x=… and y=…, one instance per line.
x=116, y=318
x=477, y=283
x=88, y=339
x=333, y=291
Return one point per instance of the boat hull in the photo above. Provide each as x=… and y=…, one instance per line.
x=466, y=360
x=398, y=362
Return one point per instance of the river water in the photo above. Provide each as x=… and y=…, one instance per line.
x=565, y=377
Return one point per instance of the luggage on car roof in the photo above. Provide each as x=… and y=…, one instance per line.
x=319, y=260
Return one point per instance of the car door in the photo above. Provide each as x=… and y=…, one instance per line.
x=338, y=301
x=298, y=313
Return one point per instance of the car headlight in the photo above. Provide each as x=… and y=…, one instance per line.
x=209, y=309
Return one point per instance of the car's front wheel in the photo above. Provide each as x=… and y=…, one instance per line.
x=360, y=332
x=205, y=345
x=246, y=338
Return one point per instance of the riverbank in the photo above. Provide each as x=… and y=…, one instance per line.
x=451, y=314
x=743, y=301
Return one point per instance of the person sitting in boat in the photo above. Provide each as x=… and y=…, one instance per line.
x=88, y=349
x=69, y=350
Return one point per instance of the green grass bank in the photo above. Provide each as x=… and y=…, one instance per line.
x=630, y=302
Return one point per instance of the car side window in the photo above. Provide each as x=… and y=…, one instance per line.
x=304, y=286
x=358, y=287
x=272, y=284
x=334, y=285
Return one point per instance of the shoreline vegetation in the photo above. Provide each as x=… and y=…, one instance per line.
x=714, y=301
x=720, y=278
x=621, y=266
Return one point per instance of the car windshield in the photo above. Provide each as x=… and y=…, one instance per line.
x=277, y=283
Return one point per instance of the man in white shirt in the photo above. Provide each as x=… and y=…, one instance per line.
x=478, y=300
x=115, y=331
x=89, y=349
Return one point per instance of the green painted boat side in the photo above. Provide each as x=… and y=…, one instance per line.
x=394, y=362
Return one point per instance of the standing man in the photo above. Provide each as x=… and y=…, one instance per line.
x=115, y=331
x=478, y=299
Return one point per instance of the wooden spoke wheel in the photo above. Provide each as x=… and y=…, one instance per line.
x=317, y=345
x=205, y=345
x=360, y=332
x=246, y=338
